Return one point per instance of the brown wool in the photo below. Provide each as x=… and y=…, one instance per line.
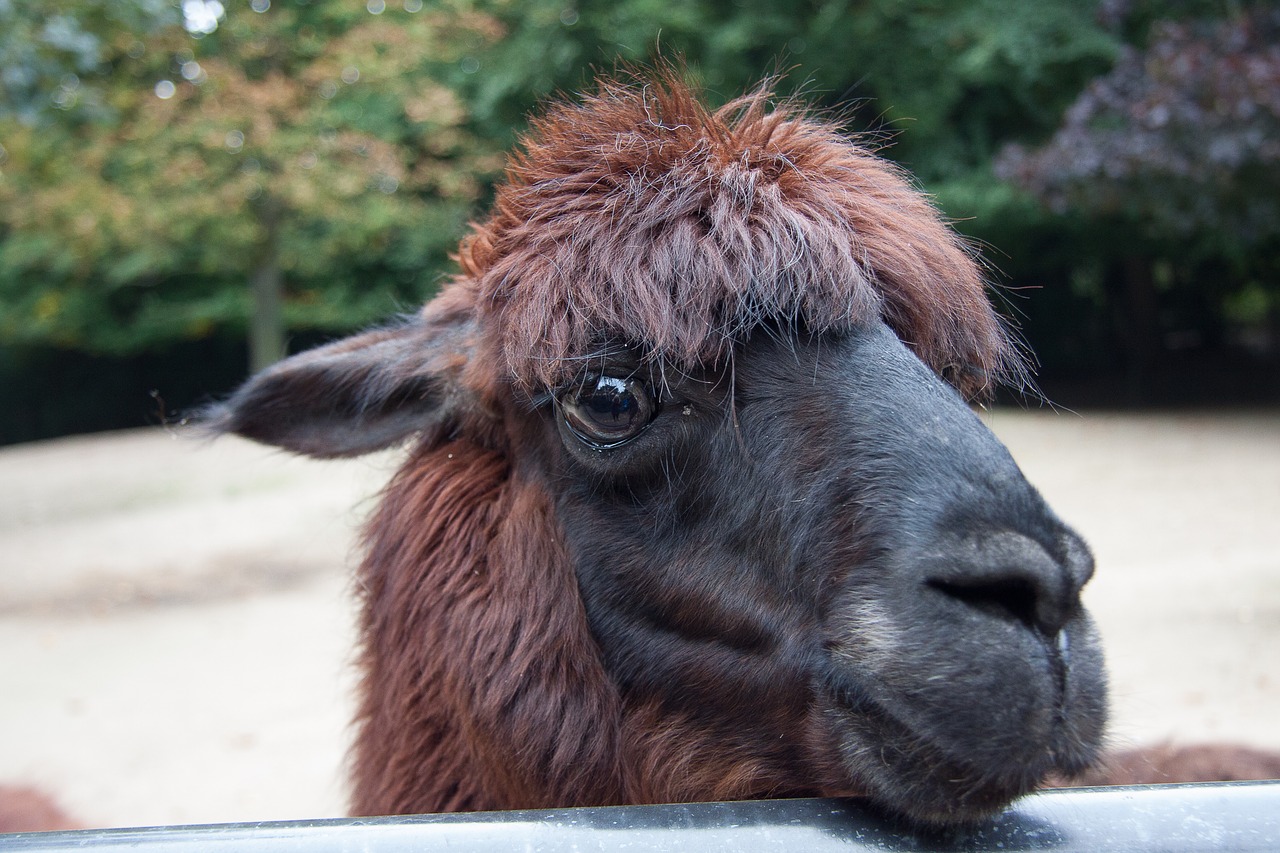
x=642, y=217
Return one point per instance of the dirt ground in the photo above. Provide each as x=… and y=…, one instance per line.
x=176, y=625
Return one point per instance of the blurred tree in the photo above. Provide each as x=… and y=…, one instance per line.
x=1182, y=136
x=170, y=169
x=294, y=148
x=1176, y=151
x=49, y=51
x=292, y=142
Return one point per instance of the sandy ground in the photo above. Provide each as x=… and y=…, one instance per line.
x=176, y=619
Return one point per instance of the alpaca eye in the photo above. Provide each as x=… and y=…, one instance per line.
x=607, y=411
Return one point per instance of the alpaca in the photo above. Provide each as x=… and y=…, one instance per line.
x=1166, y=762
x=694, y=505
x=25, y=809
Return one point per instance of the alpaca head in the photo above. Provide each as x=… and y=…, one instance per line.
x=730, y=352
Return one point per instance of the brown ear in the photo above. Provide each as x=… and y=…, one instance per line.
x=358, y=394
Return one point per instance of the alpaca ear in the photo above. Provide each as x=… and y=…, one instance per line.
x=356, y=395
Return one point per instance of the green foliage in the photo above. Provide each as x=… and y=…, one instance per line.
x=350, y=147
x=1172, y=152
x=956, y=79
x=51, y=53
x=1177, y=137
x=308, y=137
x=157, y=156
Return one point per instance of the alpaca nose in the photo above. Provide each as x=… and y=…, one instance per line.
x=1012, y=577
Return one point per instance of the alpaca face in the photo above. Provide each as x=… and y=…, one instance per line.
x=826, y=560
x=685, y=518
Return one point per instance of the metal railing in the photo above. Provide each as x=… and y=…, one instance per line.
x=1242, y=816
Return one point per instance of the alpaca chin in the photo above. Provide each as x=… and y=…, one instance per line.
x=938, y=758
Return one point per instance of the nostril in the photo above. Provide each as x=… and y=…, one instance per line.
x=1012, y=577
x=1012, y=598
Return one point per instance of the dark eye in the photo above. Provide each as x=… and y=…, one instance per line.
x=606, y=411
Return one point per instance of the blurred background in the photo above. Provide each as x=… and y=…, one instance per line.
x=190, y=189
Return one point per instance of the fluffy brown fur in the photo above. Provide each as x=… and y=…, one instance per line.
x=472, y=614
x=639, y=212
x=28, y=810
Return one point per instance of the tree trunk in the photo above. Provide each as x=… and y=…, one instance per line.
x=266, y=286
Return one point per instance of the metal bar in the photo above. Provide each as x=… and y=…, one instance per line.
x=1242, y=816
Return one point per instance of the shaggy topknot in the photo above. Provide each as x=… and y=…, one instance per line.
x=640, y=215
